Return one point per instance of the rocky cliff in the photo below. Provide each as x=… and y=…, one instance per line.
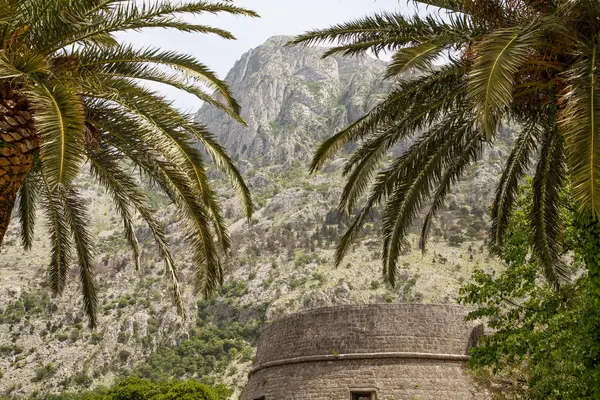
x=291, y=99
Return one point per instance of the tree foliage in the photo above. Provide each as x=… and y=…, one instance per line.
x=87, y=93
x=459, y=73
x=142, y=389
x=543, y=343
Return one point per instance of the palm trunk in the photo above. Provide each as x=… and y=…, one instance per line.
x=18, y=143
x=13, y=169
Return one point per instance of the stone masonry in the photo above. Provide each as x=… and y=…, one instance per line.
x=385, y=351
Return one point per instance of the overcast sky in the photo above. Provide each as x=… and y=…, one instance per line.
x=278, y=17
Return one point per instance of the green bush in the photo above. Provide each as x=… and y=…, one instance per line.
x=44, y=372
x=210, y=348
x=142, y=389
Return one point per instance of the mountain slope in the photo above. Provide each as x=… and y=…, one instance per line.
x=281, y=261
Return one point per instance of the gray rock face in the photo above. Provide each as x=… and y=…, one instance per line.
x=291, y=99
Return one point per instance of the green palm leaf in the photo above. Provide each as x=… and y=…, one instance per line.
x=77, y=216
x=60, y=122
x=507, y=189
x=60, y=238
x=499, y=57
x=28, y=196
x=545, y=214
x=417, y=58
x=580, y=125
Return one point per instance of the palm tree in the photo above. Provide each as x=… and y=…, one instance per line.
x=480, y=63
x=71, y=93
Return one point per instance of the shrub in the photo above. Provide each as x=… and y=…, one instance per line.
x=44, y=372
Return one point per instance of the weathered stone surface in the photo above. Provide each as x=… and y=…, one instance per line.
x=400, y=351
x=292, y=99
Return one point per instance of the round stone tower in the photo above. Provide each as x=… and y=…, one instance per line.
x=366, y=352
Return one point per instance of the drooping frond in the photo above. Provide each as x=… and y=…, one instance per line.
x=123, y=191
x=135, y=16
x=545, y=214
x=421, y=173
x=125, y=194
x=60, y=237
x=183, y=180
x=451, y=175
x=78, y=219
x=405, y=184
x=129, y=62
x=60, y=122
x=507, y=189
x=580, y=125
x=158, y=116
x=389, y=32
x=426, y=100
x=224, y=162
x=499, y=57
x=28, y=196
x=417, y=103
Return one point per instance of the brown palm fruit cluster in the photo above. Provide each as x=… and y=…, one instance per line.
x=18, y=142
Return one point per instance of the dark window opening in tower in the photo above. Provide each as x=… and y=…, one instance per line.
x=362, y=396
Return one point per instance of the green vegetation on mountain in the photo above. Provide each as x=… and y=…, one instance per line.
x=209, y=350
x=72, y=93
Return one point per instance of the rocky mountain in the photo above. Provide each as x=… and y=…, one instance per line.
x=291, y=99
x=281, y=261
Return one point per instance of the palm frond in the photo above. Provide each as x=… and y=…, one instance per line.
x=545, y=214
x=405, y=184
x=472, y=149
x=421, y=171
x=116, y=60
x=21, y=65
x=507, y=189
x=155, y=74
x=60, y=238
x=60, y=123
x=186, y=183
x=415, y=103
x=499, y=57
x=418, y=58
x=135, y=16
x=77, y=215
x=27, y=206
x=225, y=164
x=580, y=125
x=390, y=32
x=125, y=193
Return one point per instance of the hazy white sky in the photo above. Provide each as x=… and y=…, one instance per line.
x=278, y=17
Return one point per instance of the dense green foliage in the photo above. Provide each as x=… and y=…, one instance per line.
x=142, y=389
x=530, y=64
x=87, y=93
x=545, y=343
x=210, y=348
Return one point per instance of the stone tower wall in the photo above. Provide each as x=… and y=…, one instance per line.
x=400, y=351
